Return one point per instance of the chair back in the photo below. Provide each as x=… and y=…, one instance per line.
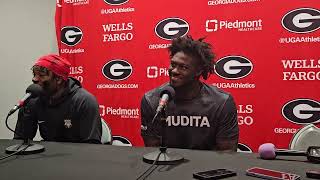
x=309, y=135
x=106, y=136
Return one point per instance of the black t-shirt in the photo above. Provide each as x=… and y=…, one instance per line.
x=192, y=124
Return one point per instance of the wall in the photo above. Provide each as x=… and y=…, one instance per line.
x=27, y=32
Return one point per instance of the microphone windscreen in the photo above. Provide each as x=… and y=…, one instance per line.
x=168, y=90
x=35, y=90
x=267, y=151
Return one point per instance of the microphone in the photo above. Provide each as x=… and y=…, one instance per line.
x=32, y=91
x=269, y=151
x=166, y=95
x=26, y=147
x=162, y=156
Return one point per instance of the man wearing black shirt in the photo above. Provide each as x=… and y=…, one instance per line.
x=65, y=112
x=200, y=116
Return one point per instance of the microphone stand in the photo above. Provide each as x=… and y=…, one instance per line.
x=26, y=147
x=162, y=156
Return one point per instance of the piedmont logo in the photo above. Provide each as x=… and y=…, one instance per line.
x=302, y=20
x=71, y=35
x=121, y=112
x=154, y=72
x=115, y=2
x=213, y=25
x=233, y=67
x=73, y=2
x=302, y=111
x=171, y=28
x=117, y=70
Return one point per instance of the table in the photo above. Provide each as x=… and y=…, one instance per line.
x=94, y=162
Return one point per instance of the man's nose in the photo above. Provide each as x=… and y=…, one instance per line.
x=35, y=80
x=175, y=70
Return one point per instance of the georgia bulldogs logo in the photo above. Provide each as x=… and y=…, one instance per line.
x=243, y=148
x=71, y=35
x=171, y=28
x=233, y=67
x=302, y=111
x=117, y=70
x=115, y=2
x=120, y=141
x=303, y=20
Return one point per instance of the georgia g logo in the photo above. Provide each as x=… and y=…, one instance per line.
x=115, y=2
x=71, y=35
x=302, y=111
x=117, y=70
x=303, y=20
x=233, y=67
x=171, y=28
x=243, y=148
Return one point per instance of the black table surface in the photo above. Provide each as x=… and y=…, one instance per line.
x=94, y=162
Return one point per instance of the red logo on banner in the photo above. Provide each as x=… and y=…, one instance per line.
x=233, y=67
x=116, y=2
x=117, y=70
x=303, y=20
x=71, y=35
x=244, y=148
x=171, y=28
x=302, y=111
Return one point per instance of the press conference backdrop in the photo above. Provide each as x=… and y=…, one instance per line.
x=268, y=57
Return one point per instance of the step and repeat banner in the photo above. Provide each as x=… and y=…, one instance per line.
x=268, y=58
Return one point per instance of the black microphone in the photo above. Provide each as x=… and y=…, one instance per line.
x=166, y=95
x=26, y=147
x=32, y=91
x=162, y=156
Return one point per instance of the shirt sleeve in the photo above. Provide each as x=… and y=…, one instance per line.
x=90, y=121
x=27, y=123
x=228, y=121
x=149, y=130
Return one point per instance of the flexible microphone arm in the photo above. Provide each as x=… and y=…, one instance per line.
x=287, y=152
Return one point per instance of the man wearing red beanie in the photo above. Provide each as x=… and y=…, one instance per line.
x=65, y=112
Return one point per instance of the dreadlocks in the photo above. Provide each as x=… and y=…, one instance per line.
x=197, y=49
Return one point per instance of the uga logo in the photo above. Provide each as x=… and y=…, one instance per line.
x=302, y=111
x=71, y=35
x=115, y=2
x=120, y=141
x=117, y=70
x=243, y=148
x=233, y=67
x=303, y=20
x=171, y=28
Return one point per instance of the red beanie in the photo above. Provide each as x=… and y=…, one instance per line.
x=57, y=64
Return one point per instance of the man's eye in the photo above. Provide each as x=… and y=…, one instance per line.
x=184, y=67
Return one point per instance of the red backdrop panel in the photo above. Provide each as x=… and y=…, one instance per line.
x=267, y=56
